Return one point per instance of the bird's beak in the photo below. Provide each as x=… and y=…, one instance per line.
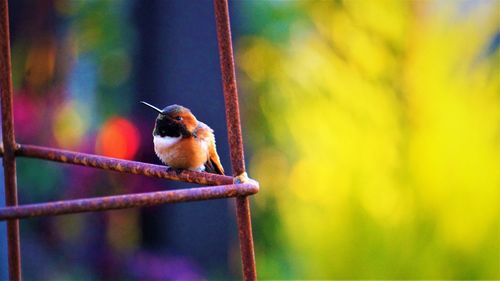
x=153, y=107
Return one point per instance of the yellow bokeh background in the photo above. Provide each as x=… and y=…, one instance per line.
x=376, y=140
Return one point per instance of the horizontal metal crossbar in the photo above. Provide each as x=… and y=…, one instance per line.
x=119, y=165
x=224, y=185
x=128, y=201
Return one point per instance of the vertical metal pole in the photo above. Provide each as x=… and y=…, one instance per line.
x=229, y=86
x=234, y=135
x=9, y=142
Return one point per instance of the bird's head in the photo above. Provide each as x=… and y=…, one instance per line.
x=173, y=121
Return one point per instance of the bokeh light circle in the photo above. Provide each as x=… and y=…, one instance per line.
x=118, y=138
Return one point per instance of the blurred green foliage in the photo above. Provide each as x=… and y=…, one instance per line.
x=376, y=138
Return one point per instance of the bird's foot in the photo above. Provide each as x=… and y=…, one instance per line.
x=177, y=171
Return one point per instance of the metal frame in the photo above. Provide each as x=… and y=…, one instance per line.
x=238, y=186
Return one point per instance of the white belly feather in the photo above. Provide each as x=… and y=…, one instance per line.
x=162, y=143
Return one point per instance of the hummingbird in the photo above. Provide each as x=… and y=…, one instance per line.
x=183, y=142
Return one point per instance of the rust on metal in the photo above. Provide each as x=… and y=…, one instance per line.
x=128, y=201
x=244, y=220
x=234, y=135
x=245, y=234
x=229, y=86
x=9, y=143
x=119, y=165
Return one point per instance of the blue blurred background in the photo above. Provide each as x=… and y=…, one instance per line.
x=372, y=126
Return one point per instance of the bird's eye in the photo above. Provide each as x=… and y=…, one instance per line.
x=178, y=118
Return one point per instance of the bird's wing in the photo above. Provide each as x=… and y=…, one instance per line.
x=206, y=134
x=213, y=164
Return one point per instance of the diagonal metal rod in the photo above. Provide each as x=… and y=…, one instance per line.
x=229, y=87
x=234, y=136
x=119, y=165
x=9, y=142
x=128, y=201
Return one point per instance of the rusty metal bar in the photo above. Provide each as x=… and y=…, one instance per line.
x=127, y=201
x=229, y=86
x=9, y=143
x=246, y=238
x=119, y=165
x=234, y=135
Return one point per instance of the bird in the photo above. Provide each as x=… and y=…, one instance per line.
x=184, y=143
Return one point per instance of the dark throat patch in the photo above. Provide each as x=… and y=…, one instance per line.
x=167, y=127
